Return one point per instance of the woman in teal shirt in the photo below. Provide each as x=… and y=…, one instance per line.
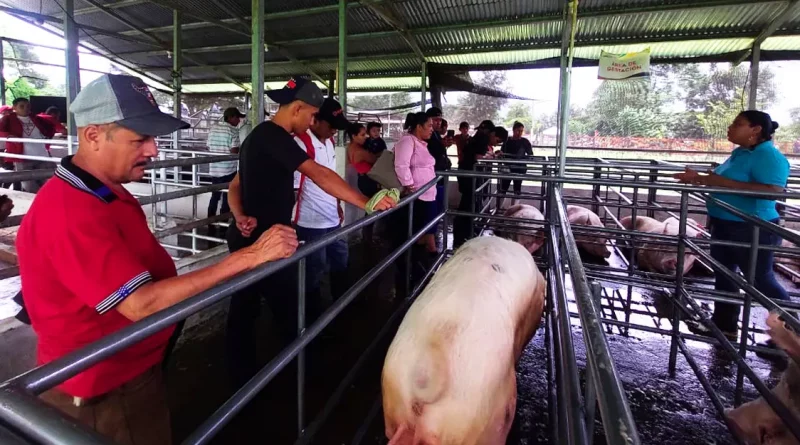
x=756, y=165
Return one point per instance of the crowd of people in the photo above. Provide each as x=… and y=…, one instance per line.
x=90, y=265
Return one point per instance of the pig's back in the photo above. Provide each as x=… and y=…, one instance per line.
x=456, y=348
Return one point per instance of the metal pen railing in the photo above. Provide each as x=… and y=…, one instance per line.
x=25, y=414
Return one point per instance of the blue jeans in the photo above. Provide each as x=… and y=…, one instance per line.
x=726, y=315
x=333, y=256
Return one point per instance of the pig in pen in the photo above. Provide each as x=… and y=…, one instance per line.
x=635, y=295
x=585, y=388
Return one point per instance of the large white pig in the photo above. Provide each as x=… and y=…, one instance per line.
x=533, y=239
x=755, y=421
x=449, y=376
x=594, y=245
x=658, y=257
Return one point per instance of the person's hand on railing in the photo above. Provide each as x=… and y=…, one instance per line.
x=276, y=243
x=245, y=224
x=690, y=177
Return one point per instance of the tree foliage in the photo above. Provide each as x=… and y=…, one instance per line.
x=676, y=101
x=519, y=112
x=368, y=102
x=474, y=108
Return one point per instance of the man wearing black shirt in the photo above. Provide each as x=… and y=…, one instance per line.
x=262, y=195
x=517, y=147
x=477, y=147
x=375, y=143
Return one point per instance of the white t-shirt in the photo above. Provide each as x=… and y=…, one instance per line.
x=315, y=209
x=30, y=131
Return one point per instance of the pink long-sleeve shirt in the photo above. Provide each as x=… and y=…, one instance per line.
x=414, y=165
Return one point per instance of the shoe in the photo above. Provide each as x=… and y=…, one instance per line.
x=700, y=329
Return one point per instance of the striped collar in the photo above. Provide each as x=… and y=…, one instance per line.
x=83, y=180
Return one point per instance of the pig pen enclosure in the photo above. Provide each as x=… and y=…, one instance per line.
x=616, y=358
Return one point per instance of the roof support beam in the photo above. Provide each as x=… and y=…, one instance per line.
x=156, y=82
x=113, y=14
x=283, y=15
x=388, y=16
x=555, y=17
x=477, y=25
x=115, y=5
x=42, y=18
x=777, y=22
x=555, y=44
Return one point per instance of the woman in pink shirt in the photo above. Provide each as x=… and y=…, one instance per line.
x=414, y=166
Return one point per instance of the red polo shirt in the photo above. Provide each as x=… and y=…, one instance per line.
x=82, y=250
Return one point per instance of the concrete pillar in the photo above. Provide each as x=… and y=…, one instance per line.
x=752, y=97
x=2, y=76
x=342, y=87
x=424, y=86
x=73, y=81
x=257, y=61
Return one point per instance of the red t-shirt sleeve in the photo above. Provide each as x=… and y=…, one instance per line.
x=102, y=272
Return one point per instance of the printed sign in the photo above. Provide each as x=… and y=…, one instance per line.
x=624, y=66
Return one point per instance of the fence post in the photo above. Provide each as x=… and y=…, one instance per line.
x=301, y=356
x=748, y=300
x=676, y=316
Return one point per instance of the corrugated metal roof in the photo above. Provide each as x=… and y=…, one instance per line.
x=424, y=13
x=476, y=32
x=706, y=21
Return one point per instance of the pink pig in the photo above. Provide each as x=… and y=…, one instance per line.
x=594, y=245
x=755, y=421
x=449, y=376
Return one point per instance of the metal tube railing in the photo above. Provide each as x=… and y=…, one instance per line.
x=572, y=430
x=50, y=423
x=237, y=402
x=614, y=409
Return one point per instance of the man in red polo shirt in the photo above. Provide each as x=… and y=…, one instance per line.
x=90, y=266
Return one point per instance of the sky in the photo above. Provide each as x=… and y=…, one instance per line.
x=540, y=84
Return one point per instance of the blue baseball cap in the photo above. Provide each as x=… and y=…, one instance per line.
x=126, y=101
x=300, y=89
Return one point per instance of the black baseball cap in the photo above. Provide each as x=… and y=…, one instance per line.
x=331, y=112
x=300, y=89
x=434, y=112
x=126, y=101
x=232, y=112
x=486, y=125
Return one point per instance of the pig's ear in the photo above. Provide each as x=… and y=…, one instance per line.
x=669, y=264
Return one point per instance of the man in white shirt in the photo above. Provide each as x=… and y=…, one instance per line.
x=317, y=213
x=223, y=138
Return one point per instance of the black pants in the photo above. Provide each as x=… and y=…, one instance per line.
x=461, y=225
x=726, y=315
x=505, y=183
x=279, y=290
x=215, y=196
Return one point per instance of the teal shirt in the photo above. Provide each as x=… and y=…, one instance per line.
x=764, y=164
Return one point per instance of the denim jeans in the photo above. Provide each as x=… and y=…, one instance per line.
x=334, y=256
x=725, y=314
x=215, y=196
